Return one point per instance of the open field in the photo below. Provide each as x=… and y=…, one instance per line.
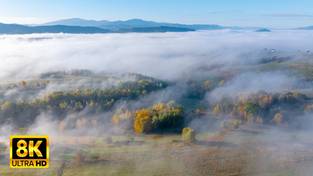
x=159, y=155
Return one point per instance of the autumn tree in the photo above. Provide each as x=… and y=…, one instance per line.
x=121, y=115
x=143, y=121
x=160, y=117
x=123, y=118
x=188, y=135
x=278, y=118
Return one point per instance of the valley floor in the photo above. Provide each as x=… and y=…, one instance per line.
x=156, y=155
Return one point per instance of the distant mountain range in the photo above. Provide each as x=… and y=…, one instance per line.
x=263, y=30
x=77, y=25
x=23, y=29
x=130, y=24
x=307, y=28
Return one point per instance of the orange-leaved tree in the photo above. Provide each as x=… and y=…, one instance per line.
x=143, y=121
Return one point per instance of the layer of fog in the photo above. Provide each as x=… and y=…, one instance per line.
x=162, y=55
x=251, y=83
x=169, y=56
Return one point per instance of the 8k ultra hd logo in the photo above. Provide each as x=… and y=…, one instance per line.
x=29, y=152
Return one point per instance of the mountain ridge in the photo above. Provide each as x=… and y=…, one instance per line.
x=131, y=23
x=83, y=26
x=23, y=29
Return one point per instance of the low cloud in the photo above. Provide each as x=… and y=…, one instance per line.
x=250, y=83
x=162, y=55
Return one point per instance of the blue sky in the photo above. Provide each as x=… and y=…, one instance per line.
x=267, y=13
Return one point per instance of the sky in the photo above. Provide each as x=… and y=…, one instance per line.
x=265, y=13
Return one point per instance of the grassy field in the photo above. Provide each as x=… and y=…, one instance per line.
x=157, y=155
